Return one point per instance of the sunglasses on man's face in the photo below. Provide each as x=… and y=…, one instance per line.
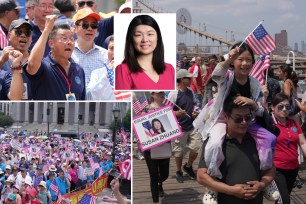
x=19, y=32
x=248, y=118
x=281, y=107
x=85, y=26
x=88, y=3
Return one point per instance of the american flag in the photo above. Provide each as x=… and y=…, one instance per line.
x=259, y=67
x=260, y=41
x=178, y=60
x=122, y=95
x=147, y=128
x=54, y=188
x=140, y=104
x=3, y=39
x=93, y=164
x=88, y=199
x=110, y=72
x=125, y=169
x=167, y=102
x=123, y=134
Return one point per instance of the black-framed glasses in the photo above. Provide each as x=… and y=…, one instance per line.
x=248, y=118
x=19, y=32
x=85, y=26
x=88, y=3
x=281, y=107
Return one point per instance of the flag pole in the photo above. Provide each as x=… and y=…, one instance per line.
x=266, y=76
x=251, y=33
x=181, y=110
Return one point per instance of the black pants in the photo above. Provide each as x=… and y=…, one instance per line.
x=159, y=172
x=284, y=180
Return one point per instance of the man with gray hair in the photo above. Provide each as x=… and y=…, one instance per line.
x=41, y=9
x=9, y=11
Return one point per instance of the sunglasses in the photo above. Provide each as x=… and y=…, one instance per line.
x=85, y=26
x=19, y=32
x=88, y=3
x=281, y=107
x=248, y=118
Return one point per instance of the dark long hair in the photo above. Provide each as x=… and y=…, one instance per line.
x=155, y=130
x=244, y=47
x=290, y=74
x=130, y=53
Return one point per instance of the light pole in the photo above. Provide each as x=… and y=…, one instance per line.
x=79, y=118
x=116, y=113
x=288, y=61
x=48, y=118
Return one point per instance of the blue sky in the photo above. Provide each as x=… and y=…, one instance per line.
x=241, y=16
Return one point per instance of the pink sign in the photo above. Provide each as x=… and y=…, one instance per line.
x=156, y=128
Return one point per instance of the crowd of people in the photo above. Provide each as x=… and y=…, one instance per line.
x=44, y=170
x=244, y=128
x=64, y=46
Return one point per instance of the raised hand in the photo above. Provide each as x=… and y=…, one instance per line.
x=15, y=58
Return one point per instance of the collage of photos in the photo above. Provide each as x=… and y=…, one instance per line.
x=149, y=101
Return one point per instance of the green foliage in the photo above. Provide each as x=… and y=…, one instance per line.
x=126, y=122
x=119, y=2
x=5, y=120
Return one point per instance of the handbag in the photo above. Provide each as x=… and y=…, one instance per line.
x=162, y=151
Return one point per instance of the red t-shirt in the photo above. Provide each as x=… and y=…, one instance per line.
x=196, y=72
x=286, y=150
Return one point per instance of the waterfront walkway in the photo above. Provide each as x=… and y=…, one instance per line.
x=189, y=191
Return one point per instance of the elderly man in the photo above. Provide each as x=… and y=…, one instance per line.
x=105, y=26
x=41, y=9
x=56, y=77
x=9, y=11
x=241, y=158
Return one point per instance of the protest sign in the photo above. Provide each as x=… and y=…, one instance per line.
x=88, y=172
x=96, y=187
x=157, y=127
x=68, y=155
x=16, y=145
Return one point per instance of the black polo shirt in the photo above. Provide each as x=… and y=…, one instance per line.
x=50, y=84
x=241, y=164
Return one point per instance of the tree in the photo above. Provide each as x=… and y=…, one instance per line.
x=126, y=121
x=120, y=2
x=5, y=120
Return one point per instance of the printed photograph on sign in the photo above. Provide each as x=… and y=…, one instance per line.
x=156, y=128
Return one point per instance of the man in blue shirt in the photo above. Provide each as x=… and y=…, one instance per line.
x=57, y=76
x=62, y=182
x=48, y=184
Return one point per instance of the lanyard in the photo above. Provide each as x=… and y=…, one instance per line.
x=65, y=77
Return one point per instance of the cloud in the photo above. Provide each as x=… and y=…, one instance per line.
x=287, y=17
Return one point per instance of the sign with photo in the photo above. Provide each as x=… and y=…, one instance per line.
x=157, y=127
x=68, y=155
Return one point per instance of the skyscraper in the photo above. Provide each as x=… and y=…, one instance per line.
x=281, y=39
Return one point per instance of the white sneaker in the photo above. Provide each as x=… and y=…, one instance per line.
x=271, y=192
x=210, y=197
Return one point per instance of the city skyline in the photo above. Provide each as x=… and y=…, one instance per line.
x=242, y=16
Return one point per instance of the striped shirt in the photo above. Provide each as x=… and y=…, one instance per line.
x=95, y=58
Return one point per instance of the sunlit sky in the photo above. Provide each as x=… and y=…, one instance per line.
x=242, y=16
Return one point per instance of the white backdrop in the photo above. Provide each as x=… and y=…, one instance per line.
x=167, y=25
